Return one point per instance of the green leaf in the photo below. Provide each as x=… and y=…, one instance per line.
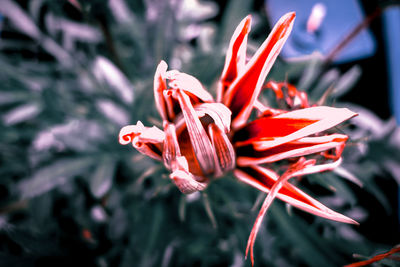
x=304, y=239
x=21, y=113
x=327, y=80
x=53, y=175
x=13, y=97
x=347, y=81
x=102, y=178
x=311, y=72
x=341, y=187
x=20, y=19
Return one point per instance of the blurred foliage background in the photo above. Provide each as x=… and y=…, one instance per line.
x=73, y=72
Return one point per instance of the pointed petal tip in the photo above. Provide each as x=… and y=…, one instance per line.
x=290, y=15
x=161, y=69
x=159, y=85
x=247, y=23
x=351, y=221
x=238, y=97
x=335, y=216
x=287, y=19
x=140, y=124
x=353, y=114
x=248, y=17
x=162, y=64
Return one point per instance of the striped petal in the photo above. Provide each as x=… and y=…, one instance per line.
x=235, y=57
x=171, y=149
x=219, y=113
x=147, y=140
x=186, y=182
x=279, y=183
x=242, y=94
x=268, y=132
x=165, y=82
x=302, y=167
x=224, y=151
x=268, y=181
x=264, y=179
x=247, y=155
x=199, y=140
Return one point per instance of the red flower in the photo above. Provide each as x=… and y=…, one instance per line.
x=203, y=139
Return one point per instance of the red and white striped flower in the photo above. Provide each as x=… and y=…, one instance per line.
x=203, y=139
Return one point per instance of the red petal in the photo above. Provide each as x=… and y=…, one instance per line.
x=242, y=94
x=171, y=147
x=235, y=56
x=178, y=164
x=224, y=151
x=287, y=95
x=219, y=113
x=272, y=131
x=280, y=182
x=247, y=155
x=202, y=147
x=301, y=167
x=263, y=179
x=159, y=87
x=268, y=181
x=267, y=111
x=189, y=84
x=146, y=140
x=166, y=105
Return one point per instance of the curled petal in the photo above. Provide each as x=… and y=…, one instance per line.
x=268, y=201
x=263, y=179
x=235, y=56
x=302, y=167
x=268, y=181
x=186, y=182
x=147, y=140
x=270, y=132
x=224, y=151
x=247, y=155
x=220, y=114
x=241, y=95
x=201, y=144
x=166, y=105
x=189, y=84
